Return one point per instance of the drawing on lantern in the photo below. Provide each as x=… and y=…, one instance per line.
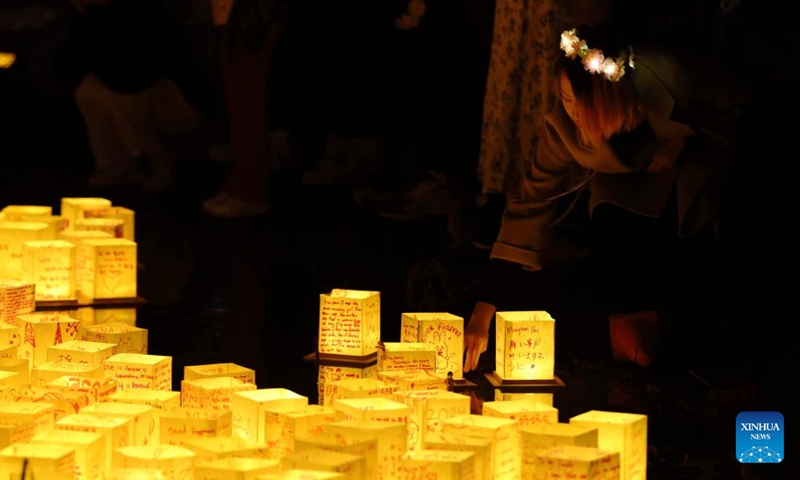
x=442, y=352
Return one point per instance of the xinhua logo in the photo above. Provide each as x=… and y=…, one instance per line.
x=759, y=437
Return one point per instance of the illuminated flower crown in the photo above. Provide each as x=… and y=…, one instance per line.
x=593, y=59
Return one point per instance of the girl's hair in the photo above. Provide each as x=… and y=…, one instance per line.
x=251, y=21
x=605, y=108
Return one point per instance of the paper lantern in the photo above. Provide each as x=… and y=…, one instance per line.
x=378, y=409
x=49, y=264
x=444, y=331
x=481, y=448
x=176, y=463
x=577, y=462
x=329, y=373
x=126, y=338
x=243, y=374
x=16, y=213
x=143, y=418
x=403, y=357
x=304, y=475
x=47, y=372
x=282, y=426
x=12, y=236
x=625, y=433
x=337, y=442
x=358, y=388
x=504, y=434
x=15, y=432
x=137, y=370
x=109, y=270
x=10, y=353
x=127, y=216
x=134, y=474
x=352, y=466
x=525, y=345
x=524, y=412
x=349, y=322
x=545, y=398
x=41, y=331
x=42, y=459
x=10, y=381
x=97, y=390
x=250, y=407
x=41, y=414
x=112, y=226
x=182, y=424
x=212, y=393
x=440, y=464
x=76, y=237
x=415, y=380
x=216, y=448
x=90, y=454
x=236, y=469
x=545, y=436
x=72, y=208
x=391, y=438
x=117, y=431
x=21, y=368
x=64, y=402
x=158, y=399
x=80, y=351
x=105, y=315
x=429, y=408
x=16, y=298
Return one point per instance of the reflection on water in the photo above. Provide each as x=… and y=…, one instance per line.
x=100, y=316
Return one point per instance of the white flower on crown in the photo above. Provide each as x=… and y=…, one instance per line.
x=571, y=44
x=593, y=59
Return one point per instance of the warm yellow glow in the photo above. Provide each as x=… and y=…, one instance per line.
x=144, y=419
x=545, y=398
x=625, y=433
x=216, y=448
x=47, y=372
x=20, y=367
x=544, y=436
x=41, y=414
x=163, y=400
x=326, y=461
x=72, y=208
x=109, y=268
x=12, y=236
x=403, y=357
x=41, y=331
x=301, y=474
x=16, y=298
x=359, y=388
x=50, y=265
x=250, y=407
x=181, y=424
x=503, y=432
x=349, y=322
x=80, y=351
x=64, y=403
x=392, y=441
x=525, y=345
x=342, y=443
x=378, y=409
x=52, y=458
x=167, y=458
x=525, y=412
x=481, y=448
x=16, y=213
x=7, y=59
x=89, y=448
x=444, y=331
x=126, y=215
x=134, y=474
x=98, y=390
x=328, y=374
x=571, y=461
x=102, y=316
x=282, y=426
x=415, y=380
x=136, y=370
x=196, y=372
x=125, y=338
x=211, y=393
x=429, y=408
x=112, y=226
x=236, y=468
x=450, y=464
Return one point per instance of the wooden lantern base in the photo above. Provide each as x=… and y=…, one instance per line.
x=525, y=386
x=134, y=302
x=330, y=360
x=462, y=385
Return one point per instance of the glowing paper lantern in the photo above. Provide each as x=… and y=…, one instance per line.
x=47, y=372
x=9, y=335
x=577, y=462
x=336, y=442
x=49, y=264
x=110, y=268
x=16, y=213
x=358, y=388
x=21, y=368
x=15, y=432
x=77, y=236
x=545, y=436
x=64, y=402
x=72, y=208
x=525, y=345
x=144, y=419
x=391, y=438
x=243, y=374
x=442, y=464
x=353, y=466
x=112, y=226
x=127, y=216
x=125, y=338
x=625, y=433
x=158, y=399
x=236, y=469
x=9, y=353
x=105, y=315
x=444, y=331
x=415, y=380
x=378, y=409
x=134, y=474
x=212, y=393
x=297, y=474
x=97, y=390
x=12, y=236
x=504, y=434
x=249, y=409
x=176, y=463
x=216, y=448
x=41, y=331
x=402, y=357
x=80, y=351
x=349, y=322
x=41, y=414
x=16, y=298
x=90, y=454
x=524, y=412
x=116, y=431
x=137, y=370
x=333, y=373
x=183, y=424
x=429, y=408
x=480, y=447
x=546, y=398
x=282, y=426
x=42, y=459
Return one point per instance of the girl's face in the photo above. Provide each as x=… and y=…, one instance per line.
x=568, y=99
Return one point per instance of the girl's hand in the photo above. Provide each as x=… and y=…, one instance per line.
x=666, y=158
x=476, y=335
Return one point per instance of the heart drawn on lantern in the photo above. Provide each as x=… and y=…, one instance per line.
x=112, y=280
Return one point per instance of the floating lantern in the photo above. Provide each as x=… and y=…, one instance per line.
x=24, y=213
x=80, y=351
x=126, y=338
x=282, y=426
x=110, y=268
x=72, y=208
x=349, y=323
x=143, y=418
x=64, y=402
x=9, y=335
x=337, y=442
x=429, y=409
x=501, y=396
x=504, y=434
x=236, y=469
x=330, y=371
x=15, y=432
x=323, y=460
x=21, y=368
x=403, y=357
x=136, y=370
x=12, y=236
x=90, y=455
x=296, y=474
x=444, y=464
x=358, y=388
x=97, y=390
x=377, y=409
x=525, y=346
x=45, y=373
x=178, y=461
x=112, y=226
x=250, y=407
x=212, y=393
x=214, y=370
x=104, y=315
x=50, y=265
x=16, y=298
x=524, y=412
x=127, y=216
x=444, y=331
x=625, y=433
x=545, y=436
x=480, y=447
x=41, y=414
x=181, y=424
x=164, y=400
x=37, y=458
x=577, y=462
x=392, y=441
x=41, y=331
x=217, y=448
x=135, y=474
x=415, y=380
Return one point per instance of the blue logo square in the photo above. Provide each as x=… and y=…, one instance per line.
x=759, y=437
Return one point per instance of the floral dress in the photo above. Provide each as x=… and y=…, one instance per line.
x=519, y=84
